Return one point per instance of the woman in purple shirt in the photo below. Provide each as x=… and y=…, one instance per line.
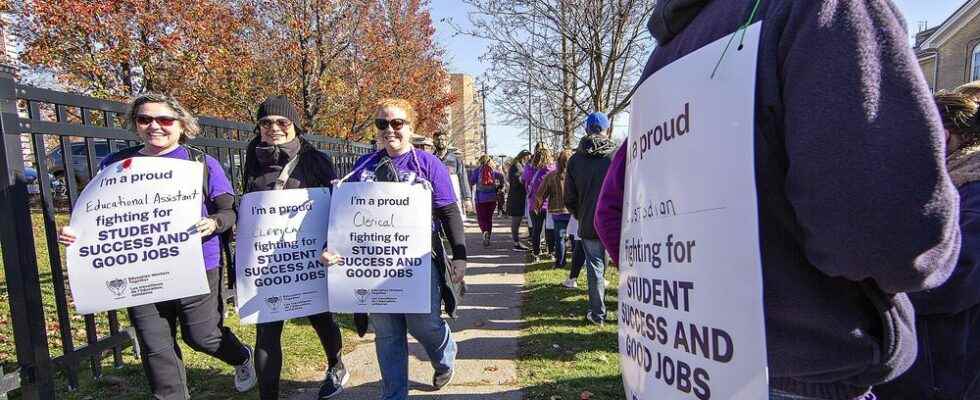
x=487, y=182
x=164, y=126
x=398, y=161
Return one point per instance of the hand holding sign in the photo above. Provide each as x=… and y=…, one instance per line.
x=329, y=259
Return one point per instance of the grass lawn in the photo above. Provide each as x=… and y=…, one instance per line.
x=561, y=354
x=208, y=378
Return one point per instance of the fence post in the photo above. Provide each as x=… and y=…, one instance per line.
x=19, y=257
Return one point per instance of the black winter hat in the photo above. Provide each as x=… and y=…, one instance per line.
x=279, y=105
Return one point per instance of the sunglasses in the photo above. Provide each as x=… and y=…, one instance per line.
x=164, y=120
x=268, y=122
x=396, y=124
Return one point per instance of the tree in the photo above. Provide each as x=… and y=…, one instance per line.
x=564, y=57
x=192, y=50
x=302, y=47
x=396, y=56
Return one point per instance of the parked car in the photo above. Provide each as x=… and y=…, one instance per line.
x=79, y=161
x=58, y=188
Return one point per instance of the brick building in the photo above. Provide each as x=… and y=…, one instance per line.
x=949, y=53
x=464, y=119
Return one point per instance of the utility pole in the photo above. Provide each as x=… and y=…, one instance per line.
x=483, y=94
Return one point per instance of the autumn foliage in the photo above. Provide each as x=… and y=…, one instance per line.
x=333, y=58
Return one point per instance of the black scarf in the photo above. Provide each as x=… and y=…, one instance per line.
x=276, y=155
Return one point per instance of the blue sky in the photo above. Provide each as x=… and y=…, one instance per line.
x=462, y=55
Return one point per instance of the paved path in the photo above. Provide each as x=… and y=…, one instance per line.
x=486, y=333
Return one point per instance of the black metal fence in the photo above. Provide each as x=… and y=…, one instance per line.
x=83, y=130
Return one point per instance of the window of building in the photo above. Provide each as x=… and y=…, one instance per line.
x=975, y=63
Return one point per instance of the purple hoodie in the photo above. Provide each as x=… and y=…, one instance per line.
x=855, y=207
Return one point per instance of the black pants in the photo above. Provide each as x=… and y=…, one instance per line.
x=537, y=225
x=578, y=259
x=515, y=228
x=268, y=350
x=201, y=320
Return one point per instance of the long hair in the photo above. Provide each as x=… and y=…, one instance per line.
x=958, y=112
x=542, y=158
x=561, y=166
x=187, y=120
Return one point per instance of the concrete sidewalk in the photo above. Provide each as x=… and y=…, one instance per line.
x=486, y=332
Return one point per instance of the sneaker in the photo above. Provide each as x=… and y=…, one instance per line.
x=245, y=378
x=520, y=246
x=440, y=380
x=570, y=283
x=486, y=239
x=590, y=318
x=334, y=382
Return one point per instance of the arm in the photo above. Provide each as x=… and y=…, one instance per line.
x=452, y=224
x=865, y=148
x=609, y=210
x=571, y=192
x=224, y=214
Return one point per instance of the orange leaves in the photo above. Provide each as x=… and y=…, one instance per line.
x=333, y=58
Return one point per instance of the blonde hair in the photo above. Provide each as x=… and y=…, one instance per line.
x=542, y=158
x=187, y=120
x=970, y=89
x=403, y=104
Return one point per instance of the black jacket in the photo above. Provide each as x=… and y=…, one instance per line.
x=516, y=196
x=314, y=169
x=583, y=181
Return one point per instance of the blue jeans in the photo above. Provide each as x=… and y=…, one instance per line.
x=391, y=343
x=595, y=264
x=561, y=225
x=780, y=395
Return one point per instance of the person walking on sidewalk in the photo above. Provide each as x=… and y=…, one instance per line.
x=552, y=192
x=486, y=181
x=164, y=126
x=398, y=161
x=280, y=158
x=542, y=163
x=854, y=204
x=586, y=170
x=457, y=171
x=516, y=198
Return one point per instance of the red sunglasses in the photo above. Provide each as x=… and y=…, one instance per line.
x=161, y=120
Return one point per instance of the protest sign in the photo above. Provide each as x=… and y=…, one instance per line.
x=383, y=233
x=280, y=236
x=137, y=243
x=691, y=322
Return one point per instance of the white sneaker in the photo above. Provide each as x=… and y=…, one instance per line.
x=245, y=378
x=570, y=283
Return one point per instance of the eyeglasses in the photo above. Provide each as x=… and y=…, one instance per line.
x=283, y=123
x=396, y=124
x=163, y=120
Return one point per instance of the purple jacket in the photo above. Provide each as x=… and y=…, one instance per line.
x=536, y=179
x=855, y=207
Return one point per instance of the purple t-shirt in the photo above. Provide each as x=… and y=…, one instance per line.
x=428, y=167
x=218, y=185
